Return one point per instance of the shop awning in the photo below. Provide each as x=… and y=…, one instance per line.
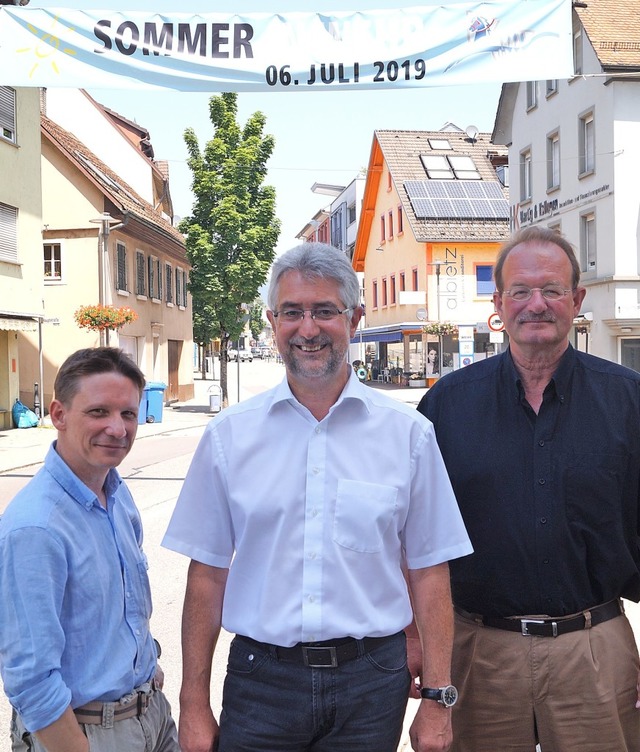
x=390, y=333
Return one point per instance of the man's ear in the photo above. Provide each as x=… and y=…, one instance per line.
x=58, y=414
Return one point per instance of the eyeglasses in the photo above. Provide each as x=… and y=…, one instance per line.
x=550, y=292
x=322, y=313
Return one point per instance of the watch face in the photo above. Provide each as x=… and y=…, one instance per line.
x=449, y=696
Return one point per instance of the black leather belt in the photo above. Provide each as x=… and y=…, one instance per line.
x=550, y=626
x=327, y=654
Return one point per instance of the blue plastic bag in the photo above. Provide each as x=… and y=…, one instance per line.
x=22, y=416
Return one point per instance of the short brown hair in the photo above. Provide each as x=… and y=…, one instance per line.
x=90, y=361
x=543, y=236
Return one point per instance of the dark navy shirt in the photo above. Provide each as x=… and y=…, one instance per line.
x=551, y=500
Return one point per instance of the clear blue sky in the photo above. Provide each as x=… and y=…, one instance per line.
x=320, y=137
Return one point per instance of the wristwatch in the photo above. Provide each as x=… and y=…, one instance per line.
x=446, y=696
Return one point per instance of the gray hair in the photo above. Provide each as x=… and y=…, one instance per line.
x=316, y=261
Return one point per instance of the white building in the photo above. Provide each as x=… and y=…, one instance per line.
x=574, y=151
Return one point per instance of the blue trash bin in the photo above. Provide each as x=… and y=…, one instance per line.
x=155, y=400
x=144, y=404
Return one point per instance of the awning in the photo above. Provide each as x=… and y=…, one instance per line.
x=389, y=333
x=378, y=337
x=17, y=325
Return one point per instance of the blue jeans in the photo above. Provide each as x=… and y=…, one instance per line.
x=270, y=705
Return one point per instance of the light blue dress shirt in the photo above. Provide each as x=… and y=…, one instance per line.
x=75, y=597
x=314, y=518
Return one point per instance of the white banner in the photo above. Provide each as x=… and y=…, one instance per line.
x=430, y=45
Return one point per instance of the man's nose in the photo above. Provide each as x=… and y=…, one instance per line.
x=116, y=426
x=308, y=323
x=537, y=302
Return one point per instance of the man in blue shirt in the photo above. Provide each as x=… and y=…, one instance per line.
x=542, y=445
x=78, y=661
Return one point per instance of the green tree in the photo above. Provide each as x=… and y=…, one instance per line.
x=256, y=322
x=232, y=233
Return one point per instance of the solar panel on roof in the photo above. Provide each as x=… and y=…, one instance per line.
x=458, y=199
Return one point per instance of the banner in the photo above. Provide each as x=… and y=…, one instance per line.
x=430, y=45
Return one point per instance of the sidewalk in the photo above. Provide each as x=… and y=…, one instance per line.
x=20, y=447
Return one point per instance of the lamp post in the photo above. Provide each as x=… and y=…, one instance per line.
x=437, y=265
x=106, y=222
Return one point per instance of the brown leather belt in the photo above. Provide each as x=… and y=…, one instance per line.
x=107, y=713
x=550, y=626
x=327, y=654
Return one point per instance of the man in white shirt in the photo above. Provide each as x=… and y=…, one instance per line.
x=300, y=511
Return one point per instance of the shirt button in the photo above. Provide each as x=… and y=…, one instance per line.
x=313, y=513
x=312, y=599
x=543, y=520
x=541, y=442
x=315, y=470
x=318, y=429
x=541, y=481
x=312, y=555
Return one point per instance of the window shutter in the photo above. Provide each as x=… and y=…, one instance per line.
x=8, y=233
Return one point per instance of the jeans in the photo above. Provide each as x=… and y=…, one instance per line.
x=155, y=731
x=271, y=705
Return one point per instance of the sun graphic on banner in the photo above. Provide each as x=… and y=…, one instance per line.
x=47, y=48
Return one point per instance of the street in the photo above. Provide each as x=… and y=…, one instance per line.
x=155, y=470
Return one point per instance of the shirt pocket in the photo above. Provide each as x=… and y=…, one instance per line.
x=363, y=514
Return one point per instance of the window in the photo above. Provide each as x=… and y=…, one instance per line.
x=8, y=113
x=121, y=267
x=552, y=86
x=155, y=278
x=440, y=143
x=374, y=292
x=414, y=278
x=437, y=167
x=525, y=175
x=532, y=94
x=392, y=289
x=8, y=233
x=52, y=262
x=351, y=214
x=400, y=221
x=402, y=281
x=184, y=288
x=588, y=242
x=464, y=168
x=587, y=144
x=389, y=182
x=577, y=52
x=382, y=229
x=181, y=288
x=168, y=275
x=141, y=277
x=390, y=224
x=441, y=167
x=484, y=280
x=385, y=300
x=553, y=161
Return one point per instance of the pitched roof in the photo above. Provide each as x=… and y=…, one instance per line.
x=613, y=28
x=114, y=188
x=402, y=150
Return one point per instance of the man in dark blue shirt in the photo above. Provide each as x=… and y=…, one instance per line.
x=542, y=444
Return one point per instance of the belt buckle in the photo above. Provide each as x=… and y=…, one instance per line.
x=311, y=654
x=524, y=624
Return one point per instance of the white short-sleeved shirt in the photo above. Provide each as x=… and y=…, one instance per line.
x=314, y=517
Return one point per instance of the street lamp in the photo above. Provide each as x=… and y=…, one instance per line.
x=107, y=223
x=437, y=265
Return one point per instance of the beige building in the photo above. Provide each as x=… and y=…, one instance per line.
x=103, y=243
x=433, y=215
x=21, y=287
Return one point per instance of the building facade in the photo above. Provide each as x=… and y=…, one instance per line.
x=574, y=147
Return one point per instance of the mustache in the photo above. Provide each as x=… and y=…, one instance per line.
x=547, y=316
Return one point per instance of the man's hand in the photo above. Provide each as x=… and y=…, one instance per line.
x=431, y=728
x=198, y=730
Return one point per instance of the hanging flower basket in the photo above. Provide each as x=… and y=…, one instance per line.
x=100, y=317
x=441, y=328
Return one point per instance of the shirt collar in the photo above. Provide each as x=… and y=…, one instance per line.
x=73, y=486
x=559, y=382
x=353, y=390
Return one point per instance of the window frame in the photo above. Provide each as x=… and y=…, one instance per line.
x=526, y=177
x=168, y=283
x=141, y=275
x=586, y=143
x=588, y=242
x=489, y=281
x=52, y=279
x=155, y=278
x=532, y=95
x=121, y=272
x=553, y=160
x=8, y=114
x=8, y=233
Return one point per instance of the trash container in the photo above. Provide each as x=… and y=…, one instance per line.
x=155, y=400
x=215, y=398
x=142, y=410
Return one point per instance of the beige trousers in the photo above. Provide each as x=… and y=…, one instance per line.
x=573, y=693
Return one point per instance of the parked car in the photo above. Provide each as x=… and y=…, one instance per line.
x=232, y=354
x=244, y=354
x=256, y=352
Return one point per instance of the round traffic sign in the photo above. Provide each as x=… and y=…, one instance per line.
x=495, y=323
